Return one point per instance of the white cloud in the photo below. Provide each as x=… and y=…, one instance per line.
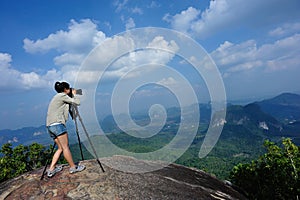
x=12, y=79
x=157, y=51
x=229, y=54
x=81, y=37
x=154, y=54
x=52, y=75
x=69, y=58
x=32, y=80
x=96, y=62
x=129, y=24
x=282, y=54
x=159, y=42
x=108, y=25
x=285, y=29
x=288, y=46
x=137, y=10
x=120, y=5
x=167, y=81
x=123, y=6
x=182, y=21
x=5, y=60
x=72, y=47
x=154, y=4
x=151, y=55
x=224, y=15
x=245, y=66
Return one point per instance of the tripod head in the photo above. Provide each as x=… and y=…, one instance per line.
x=73, y=111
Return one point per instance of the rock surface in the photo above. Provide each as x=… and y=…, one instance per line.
x=171, y=182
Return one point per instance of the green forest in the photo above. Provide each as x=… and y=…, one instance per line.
x=20, y=159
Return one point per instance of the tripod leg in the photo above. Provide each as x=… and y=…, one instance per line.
x=91, y=145
x=100, y=164
x=77, y=132
x=52, y=150
x=87, y=135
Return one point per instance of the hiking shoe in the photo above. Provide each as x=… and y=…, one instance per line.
x=78, y=168
x=53, y=172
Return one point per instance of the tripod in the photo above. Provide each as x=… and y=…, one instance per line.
x=74, y=114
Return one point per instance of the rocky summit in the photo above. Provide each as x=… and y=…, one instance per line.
x=171, y=182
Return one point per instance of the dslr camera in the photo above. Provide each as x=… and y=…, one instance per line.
x=78, y=92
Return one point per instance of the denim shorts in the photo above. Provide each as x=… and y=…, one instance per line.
x=56, y=130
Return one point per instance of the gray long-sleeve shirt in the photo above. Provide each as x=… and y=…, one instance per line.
x=58, y=110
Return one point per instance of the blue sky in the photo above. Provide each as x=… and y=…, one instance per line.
x=255, y=45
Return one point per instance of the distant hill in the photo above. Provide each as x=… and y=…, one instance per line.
x=279, y=115
x=29, y=135
x=109, y=125
x=284, y=107
x=253, y=118
x=24, y=136
x=276, y=117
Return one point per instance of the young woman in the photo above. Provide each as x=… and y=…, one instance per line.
x=57, y=115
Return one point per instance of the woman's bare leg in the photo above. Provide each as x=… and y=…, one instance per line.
x=56, y=155
x=64, y=143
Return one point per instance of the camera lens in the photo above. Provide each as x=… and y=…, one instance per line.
x=79, y=91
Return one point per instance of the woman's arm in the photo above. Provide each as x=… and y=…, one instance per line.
x=75, y=100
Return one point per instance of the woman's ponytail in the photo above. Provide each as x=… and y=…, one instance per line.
x=57, y=87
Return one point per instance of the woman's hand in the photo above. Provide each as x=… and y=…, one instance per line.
x=73, y=91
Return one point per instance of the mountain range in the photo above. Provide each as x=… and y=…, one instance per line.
x=278, y=116
x=246, y=127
